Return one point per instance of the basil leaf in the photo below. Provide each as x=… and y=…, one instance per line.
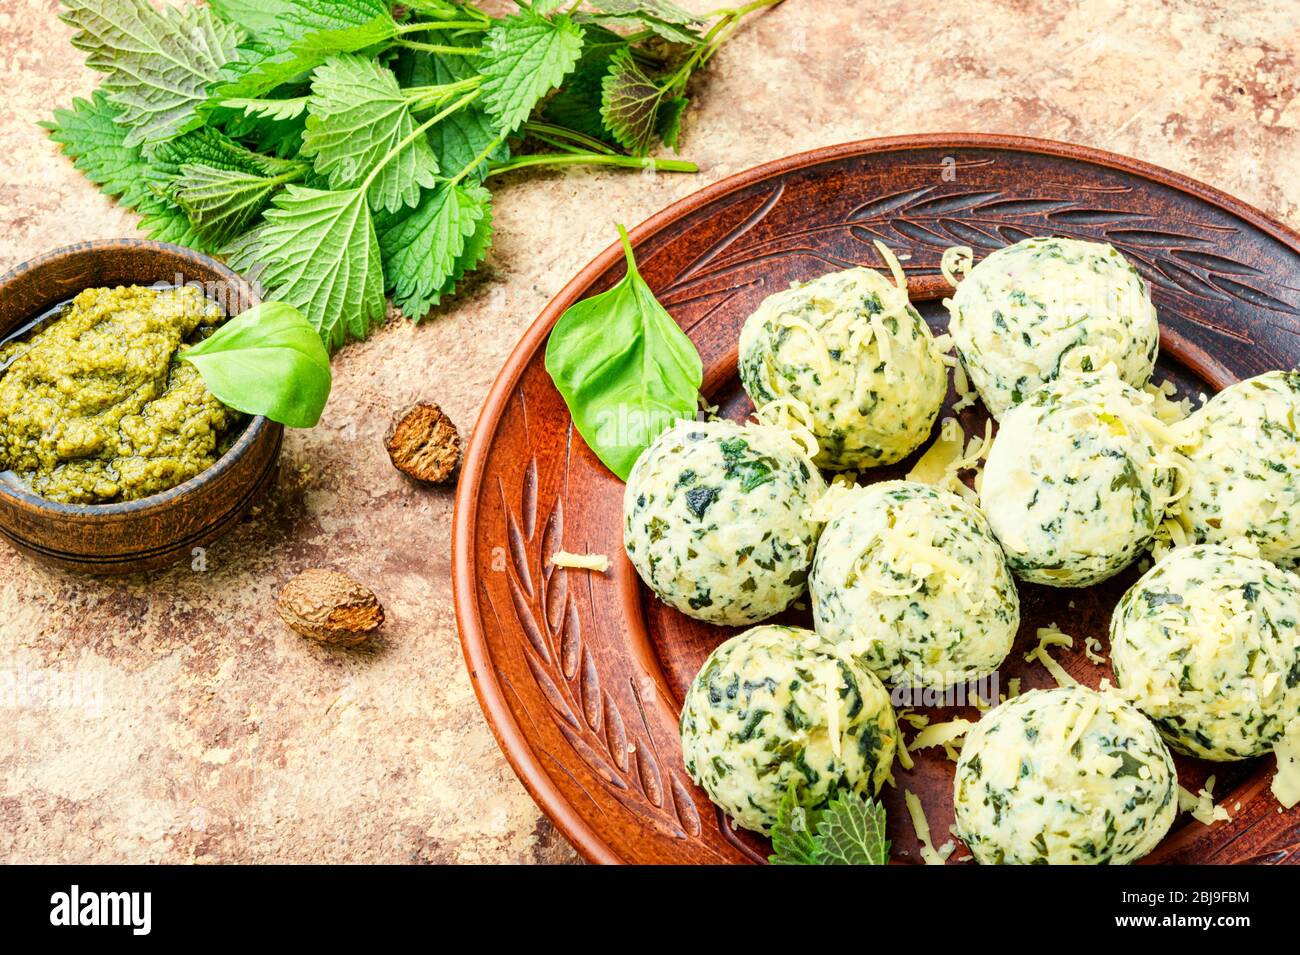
x=624, y=368
x=268, y=360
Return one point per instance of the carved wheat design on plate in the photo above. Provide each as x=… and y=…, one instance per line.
x=618, y=749
x=1187, y=263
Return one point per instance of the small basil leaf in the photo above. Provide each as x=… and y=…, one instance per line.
x=624, y=368
x=268, y=360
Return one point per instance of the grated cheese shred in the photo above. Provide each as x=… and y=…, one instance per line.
x=941, y=734
x=823, y=353
x=793, y=420
x=966, y=395
x=1051, y=636
x=903, y=754
x=1092, y=650
x=914, y=720
x=596, y=562
x=944, y=461
x=1201, y=805
x=929, y=853
x=1286, y=782
x=956, y=260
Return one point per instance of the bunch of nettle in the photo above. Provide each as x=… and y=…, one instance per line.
x=339, y=148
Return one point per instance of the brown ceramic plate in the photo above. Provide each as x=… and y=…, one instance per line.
x=581, y=675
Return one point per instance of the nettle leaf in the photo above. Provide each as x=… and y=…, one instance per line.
x=220, y=185
x=92, y=135
x=851, y=831
x=630, y=104
x=476, y=247
x=316, y=47
x=254, y=17
x=428, y=248
x=272, y=125
x=659, y=9
x=281, y=137
x=524, y=57
x=793, y=838
x=669, y=126
x=475, y=251
x=278, y=109
x=357, y=115
x=317, y=251
x=441, y=9
x=267, y=360
x=167, y=222
x=577, y=104
x=683, y=36
x=221, y=203
x=459, y=138
x=664, y=19
x=211, y=147
x=304, y=34
x=625, y=369
x=158, y=65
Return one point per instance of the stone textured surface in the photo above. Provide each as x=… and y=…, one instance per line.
x=174, y=718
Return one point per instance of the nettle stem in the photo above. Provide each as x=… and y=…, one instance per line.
x=463, y=9
x=441, y=25
x=562, y=137
x=739, y=11
x=291, y=175
x=591, y=159
x=420, y=98
x=440, y=48
x=717, y=35
x=473, y=163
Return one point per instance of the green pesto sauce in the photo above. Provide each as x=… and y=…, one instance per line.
x=95, y=406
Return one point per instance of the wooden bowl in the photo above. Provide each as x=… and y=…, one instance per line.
x=164, y=528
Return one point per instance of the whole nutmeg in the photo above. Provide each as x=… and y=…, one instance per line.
x=423, y=443
x=329, y=606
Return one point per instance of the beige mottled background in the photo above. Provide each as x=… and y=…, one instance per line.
x=174, y=719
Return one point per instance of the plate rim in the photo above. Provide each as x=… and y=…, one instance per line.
x=509, y=736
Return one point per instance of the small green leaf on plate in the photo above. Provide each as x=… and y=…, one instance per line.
x=625, y=369
x=793, y=839
x=850, y=830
